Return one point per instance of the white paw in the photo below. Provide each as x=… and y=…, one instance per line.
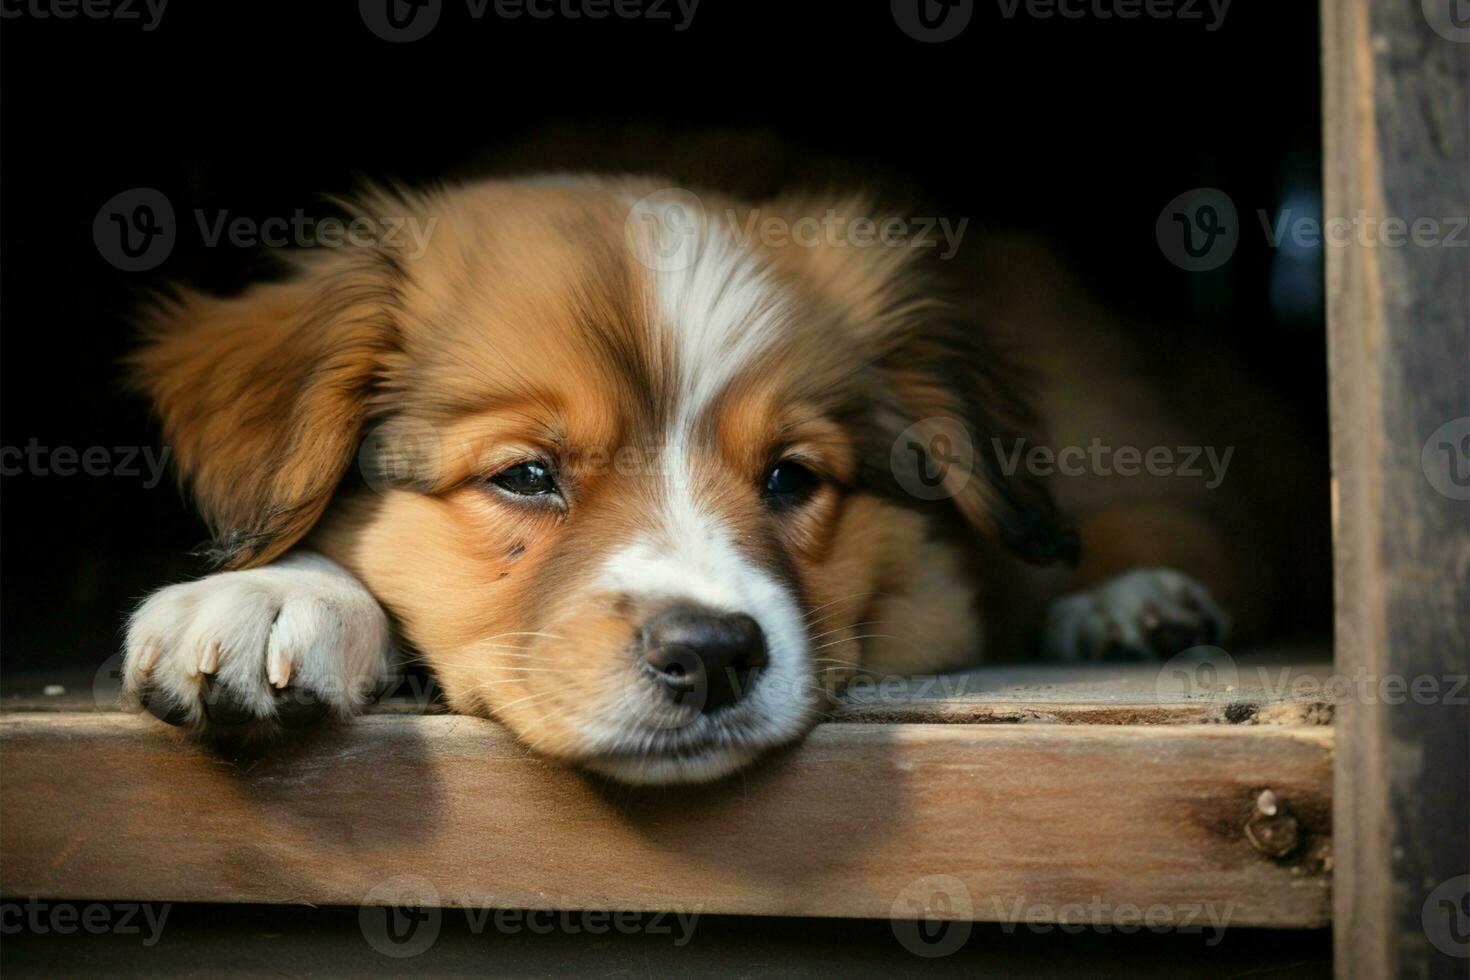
x=277, y=646
x=1145, y=613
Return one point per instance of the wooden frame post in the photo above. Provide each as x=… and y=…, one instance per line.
x=1396, y=92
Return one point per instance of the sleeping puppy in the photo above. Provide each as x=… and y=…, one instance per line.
x=647, y=488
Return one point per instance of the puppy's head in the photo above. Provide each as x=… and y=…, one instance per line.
x=626, y=477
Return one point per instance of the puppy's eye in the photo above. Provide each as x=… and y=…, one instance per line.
x=529, y=479
x=789, y=483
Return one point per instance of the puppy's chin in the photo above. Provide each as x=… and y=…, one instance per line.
x=707, y=751
x=673, y=768
x=707, y=747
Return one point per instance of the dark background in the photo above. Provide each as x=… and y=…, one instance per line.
x=1083, y=129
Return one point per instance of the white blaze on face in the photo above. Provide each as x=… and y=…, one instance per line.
x=717, y=310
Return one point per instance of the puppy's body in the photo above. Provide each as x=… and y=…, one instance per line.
x=646, y=489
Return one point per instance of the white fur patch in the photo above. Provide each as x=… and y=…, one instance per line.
x=303, y=620
x=718, y=310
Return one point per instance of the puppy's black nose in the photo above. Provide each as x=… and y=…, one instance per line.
x=703, y=657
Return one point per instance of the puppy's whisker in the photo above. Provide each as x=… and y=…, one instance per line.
x=826, y=617
x=535, y=670
x=492, y=650
x=517, y=668
x=846, y=598
x=864, y=636
x=528, y=698
x=853, y=626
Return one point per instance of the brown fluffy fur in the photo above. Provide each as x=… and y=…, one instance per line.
x=526, y=326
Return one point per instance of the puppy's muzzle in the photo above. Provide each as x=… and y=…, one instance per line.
x=703, y=659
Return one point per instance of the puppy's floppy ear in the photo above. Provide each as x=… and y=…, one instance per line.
x=262, y=396
x=957, y=417
x=938, y=384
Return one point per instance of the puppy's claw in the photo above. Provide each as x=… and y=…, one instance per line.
x=209, y=659
x=278, y=668
x=230, y=654
x=148, y=656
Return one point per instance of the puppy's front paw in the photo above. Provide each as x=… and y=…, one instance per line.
x=247, y=653
x=1145, y=613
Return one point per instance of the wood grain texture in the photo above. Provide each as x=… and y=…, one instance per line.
x=1395, y=109
x=1283, y=685
x=1024, y=817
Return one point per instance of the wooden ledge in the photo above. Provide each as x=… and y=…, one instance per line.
x=1039, y=819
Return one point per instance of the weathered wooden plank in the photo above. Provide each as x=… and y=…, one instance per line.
x=1396, y=86
x=1279, y=686
x=1294, y=686
x=1024, y=819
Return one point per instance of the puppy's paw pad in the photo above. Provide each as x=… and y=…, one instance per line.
x=245, y=653
x=1141, y=614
